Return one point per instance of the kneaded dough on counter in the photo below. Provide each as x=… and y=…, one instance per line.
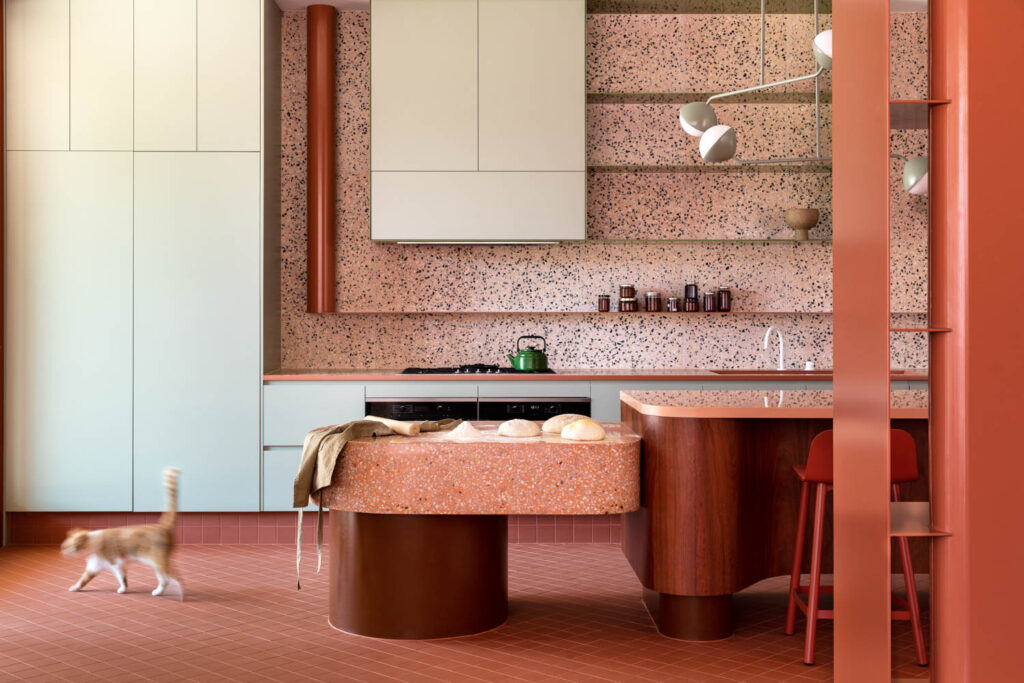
x=465, y=432
x=518, y=428
x=556, y=424
x=583, y=430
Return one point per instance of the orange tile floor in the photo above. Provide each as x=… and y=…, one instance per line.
x=575, y=615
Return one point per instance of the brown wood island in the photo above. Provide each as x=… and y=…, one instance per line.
x=719, y=497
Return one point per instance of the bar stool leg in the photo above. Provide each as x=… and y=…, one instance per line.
x=798, y=558
x=912, y=603
x=814, y=588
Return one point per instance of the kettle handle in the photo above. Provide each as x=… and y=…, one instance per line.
x=532, y=336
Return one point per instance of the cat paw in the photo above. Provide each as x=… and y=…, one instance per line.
x=158, y=591
x=77, y=587
x=122, y=589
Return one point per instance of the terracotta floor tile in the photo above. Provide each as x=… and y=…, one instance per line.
x=575, y=615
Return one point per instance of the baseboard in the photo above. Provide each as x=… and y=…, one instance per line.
x=273, y=528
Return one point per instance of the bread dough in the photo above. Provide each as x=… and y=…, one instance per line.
x=519, y=428
x=583, y=430
x=558, y=422
x=465, y=432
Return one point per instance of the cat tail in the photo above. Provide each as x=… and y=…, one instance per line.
x=171, y=489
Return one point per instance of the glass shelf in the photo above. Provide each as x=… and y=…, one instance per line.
x=708, y=168
x=638, y=97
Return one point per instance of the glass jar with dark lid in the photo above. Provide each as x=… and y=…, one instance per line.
x=629, y=305
x=672, y=306
x=690, y=291
x=709, y=302
x=724, y=299
x=627, y=291
x=691, y=305
x=604, y=303
x=652, y=302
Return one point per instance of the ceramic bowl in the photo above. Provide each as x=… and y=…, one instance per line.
x=801, y=221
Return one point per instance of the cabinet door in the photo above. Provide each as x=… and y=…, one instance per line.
x=101, y=74
x=292, y=409
x=228, y=73
x=532, y=85
x=423, y=98
x=478, y=207
x=68, y=413
x=165, y=75
x=197, y=328
x=37, y=64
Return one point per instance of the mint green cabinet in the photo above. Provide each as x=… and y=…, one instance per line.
x=197, y=328
x=279, y=467
x=534, y=389
x=68, y=356
x=291, y=409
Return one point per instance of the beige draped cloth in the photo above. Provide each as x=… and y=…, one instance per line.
x=320, y=452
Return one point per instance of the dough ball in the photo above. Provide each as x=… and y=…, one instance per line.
x=583, y=430
x=518, y=428
x=558, y=422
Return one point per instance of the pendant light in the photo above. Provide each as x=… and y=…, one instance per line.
x=915, y=174
x=718, y=141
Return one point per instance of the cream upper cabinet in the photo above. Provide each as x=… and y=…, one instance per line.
x=165, y=75
x=101, y=74
x=37, y=66
x=477, y=120
x=228, y=74
x=532, y=85
x=423, y=76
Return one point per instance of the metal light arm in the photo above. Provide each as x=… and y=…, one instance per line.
x=755, y=88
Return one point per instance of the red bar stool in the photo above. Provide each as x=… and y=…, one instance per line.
x=818, y=471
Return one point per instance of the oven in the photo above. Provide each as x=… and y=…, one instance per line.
x=499, y=409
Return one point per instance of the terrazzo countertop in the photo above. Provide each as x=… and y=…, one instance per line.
x=492, y=475
x=593, y=375
x=782, y=403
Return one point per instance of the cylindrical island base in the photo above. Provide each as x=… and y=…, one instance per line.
x=690, y=617
x=417, y=576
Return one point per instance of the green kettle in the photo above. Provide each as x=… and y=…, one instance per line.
x=529, y=358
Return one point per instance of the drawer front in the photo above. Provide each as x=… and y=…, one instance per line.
x=534, y=389
x=291, y=409
x=279, y=467
x=421, y=390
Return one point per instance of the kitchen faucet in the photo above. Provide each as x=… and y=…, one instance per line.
x=782, y=345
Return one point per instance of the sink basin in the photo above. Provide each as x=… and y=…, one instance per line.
x=794, y=371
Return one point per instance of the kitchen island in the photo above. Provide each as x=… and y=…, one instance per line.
x=419, y=529
x=719, y=495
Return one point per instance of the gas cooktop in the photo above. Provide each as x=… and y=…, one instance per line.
x=475, y=369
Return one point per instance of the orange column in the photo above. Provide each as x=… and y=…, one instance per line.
x=860, y=197
x=321, y=27
x=978, y=368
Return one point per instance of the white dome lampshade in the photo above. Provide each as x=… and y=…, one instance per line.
x=915, y=175
x=822, y=47
x=697, y=117
x=718, y=143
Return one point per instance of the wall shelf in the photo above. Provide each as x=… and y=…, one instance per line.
x=921, y=329
x=699, y=7
x=912, y=519
x=697, y=240
x=911, y=114
x=708, y=168
x=661, y=97
x=680, y=314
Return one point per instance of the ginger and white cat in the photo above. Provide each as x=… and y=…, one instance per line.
x=111, y=549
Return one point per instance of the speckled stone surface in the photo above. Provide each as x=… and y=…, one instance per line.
x=760, y=404
x=493, y=475
x=495, y=293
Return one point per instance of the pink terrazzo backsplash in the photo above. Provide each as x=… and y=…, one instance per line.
x=423, y=305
